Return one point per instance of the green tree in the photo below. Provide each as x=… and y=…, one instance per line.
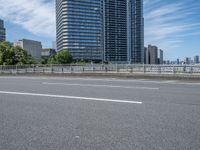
x=12, y=55
x=5, y=53
x=62, y=57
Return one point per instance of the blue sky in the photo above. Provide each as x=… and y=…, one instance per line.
x=172, y=25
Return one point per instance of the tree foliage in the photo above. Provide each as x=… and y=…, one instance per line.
x=62, y=57
x=13, y=55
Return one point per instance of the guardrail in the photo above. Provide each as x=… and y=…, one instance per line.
x=102, y=68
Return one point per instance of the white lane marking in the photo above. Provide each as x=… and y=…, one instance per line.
x=106, y=79
x=86, y=79
x=96, y=85
x=71, y=97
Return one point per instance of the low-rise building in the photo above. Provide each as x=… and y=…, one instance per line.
x=47, y=53
x=33, y=48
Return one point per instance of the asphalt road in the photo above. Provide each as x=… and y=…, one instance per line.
x=41, y=113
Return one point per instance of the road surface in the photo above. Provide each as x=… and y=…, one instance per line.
x=57, y=113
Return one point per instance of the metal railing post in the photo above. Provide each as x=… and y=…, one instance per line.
x=71, y=69
x=173, y=69
x=51, y=68
x=16, y=69
x=144, y=69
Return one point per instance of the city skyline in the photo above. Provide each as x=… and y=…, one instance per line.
x=172, y=26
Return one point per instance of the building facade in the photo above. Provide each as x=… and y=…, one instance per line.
x=152, y=55
x=135, y=31
x=80, y=28
x=2, y=31
x=47, y=53
x=33, y=48
x=160, y=56
x=108, y=30
x=116, y=27
x=196, y=59
x=187, y=60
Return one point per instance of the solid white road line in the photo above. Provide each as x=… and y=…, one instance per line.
x=70, y=97
x=96, y=85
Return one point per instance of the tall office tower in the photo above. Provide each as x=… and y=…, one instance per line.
x=109, y=30
x=135, y=31
x=80, y=28
x=2, y=31
x=116, y=30
x=124, y=31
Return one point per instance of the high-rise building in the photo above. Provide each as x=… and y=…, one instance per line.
x=187, y=60
x=124, y=31
x=80, y=28
x=160, y=56
x=2, y=31
x=177, y=61
x=146, y=55
x=109, y=30
x=196, y=59
x=153, y=54
x=116, y=27
x=135, y=31
x=33, y=48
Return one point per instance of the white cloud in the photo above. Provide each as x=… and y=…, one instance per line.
x=168, y=23
x=165, y=21
x=36, y=16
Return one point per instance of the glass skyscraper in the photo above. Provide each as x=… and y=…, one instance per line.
x=108, y=30
x=2, y=31
x=135, y=31
x=115, y=30
x=80, y=28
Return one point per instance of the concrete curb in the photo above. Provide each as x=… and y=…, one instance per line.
x=115, y=75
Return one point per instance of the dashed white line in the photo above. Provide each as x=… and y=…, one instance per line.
x=70, y=97
x=177, y=82
x=97, y=85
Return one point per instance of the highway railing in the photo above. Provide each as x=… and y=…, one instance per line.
x=101, y=68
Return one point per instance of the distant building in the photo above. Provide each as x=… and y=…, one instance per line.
x=177, y=61
x=168, y=62
x=160, y=56
x=33, y=48
x=47, y=53
x=187, y=60
x=146, y=55
x=196, y=59
x=2, y=31
x=153, y=54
